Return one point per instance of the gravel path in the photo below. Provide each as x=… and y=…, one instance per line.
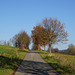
x=33, y=64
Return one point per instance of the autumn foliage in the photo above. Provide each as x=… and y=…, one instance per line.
x=49, y=32
x=39, y=36
x=22, y=40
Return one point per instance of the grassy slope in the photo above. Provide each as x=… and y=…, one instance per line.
x=10, y=59
x=64, y=64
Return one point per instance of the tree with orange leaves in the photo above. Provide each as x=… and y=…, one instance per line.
x=21, y=40
x=39, y=36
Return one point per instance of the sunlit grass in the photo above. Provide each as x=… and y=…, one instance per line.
x=67, y=60
x=10, y=59
x=64, y=64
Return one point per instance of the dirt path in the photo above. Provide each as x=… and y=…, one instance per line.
x=33, y=64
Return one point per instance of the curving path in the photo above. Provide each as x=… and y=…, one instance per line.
x=33, y=64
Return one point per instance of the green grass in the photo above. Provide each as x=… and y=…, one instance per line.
x=10, y=59
x=63, y=64
x=4, y=49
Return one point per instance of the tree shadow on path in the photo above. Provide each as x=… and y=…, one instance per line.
x=36, y=68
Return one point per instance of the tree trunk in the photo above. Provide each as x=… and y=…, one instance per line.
x=39, y=47
x=49, y=49
x=44, y=47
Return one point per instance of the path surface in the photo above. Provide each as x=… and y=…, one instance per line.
x=33, y=64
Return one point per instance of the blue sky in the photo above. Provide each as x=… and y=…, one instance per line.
x=17, y=15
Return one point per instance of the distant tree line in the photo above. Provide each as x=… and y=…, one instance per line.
x=20, y=40
x=8, y=43
x=70, y=50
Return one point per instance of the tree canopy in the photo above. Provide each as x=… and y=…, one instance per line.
x=50, y=31
x=39, y=36
x=22, y=40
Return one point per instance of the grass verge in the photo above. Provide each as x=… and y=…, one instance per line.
x=63, y=64
x=10, y=59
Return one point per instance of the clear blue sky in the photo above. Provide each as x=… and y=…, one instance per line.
x=17, y=15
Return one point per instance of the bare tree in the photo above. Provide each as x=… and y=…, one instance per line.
x=55, y=31
x=5, y=42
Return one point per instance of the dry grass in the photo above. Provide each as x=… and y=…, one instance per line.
x=63, y=64
x=67, y=60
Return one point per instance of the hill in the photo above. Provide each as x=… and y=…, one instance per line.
x=10, y=59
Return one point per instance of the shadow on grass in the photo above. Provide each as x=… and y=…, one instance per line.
x=11, y=63
x=62, y=69
x=21, y=50
x=43, y=52
x=58, y=67
x=30, y=67
x=35, y=68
